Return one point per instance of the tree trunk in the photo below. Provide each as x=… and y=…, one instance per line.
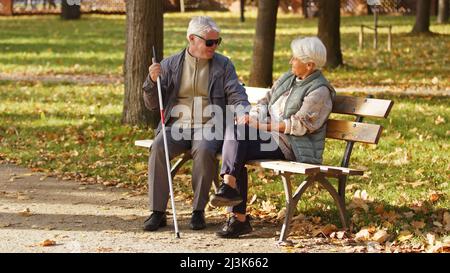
x=264, y=44
x=144, y=28
x=329, y=32
x=422, y=24
x=7, y=7
x=305, y=8
x=242, y=10
x=443, y=11
x=70, y=9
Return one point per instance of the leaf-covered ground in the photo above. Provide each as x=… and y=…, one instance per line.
x=73, y=130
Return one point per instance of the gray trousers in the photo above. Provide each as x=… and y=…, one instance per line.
x=204, y=169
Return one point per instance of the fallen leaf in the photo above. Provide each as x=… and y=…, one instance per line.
x=253, y=199
x=281, y=214
x=380, y=236
x=418, y=224
x=438, y=248
x=328, y=229
x=316, y=232
x=364, y=195
x=267, y=206
x=42, y=178
x=129, y=217
x=434, y=196
x=446, y=221
x=299, y=245
x=408, y=214
x=379, y=209
x=358, y=201
x=104, y=249
x=435, y=80
x=48, y=243
x=299, y=217
x=418, y=184
x=25, y=213
x=439, y=120
x=404, y=235
x=390, y=216
x=351, y=187
x=340, y=234
x=362, y=235
x=431, y=239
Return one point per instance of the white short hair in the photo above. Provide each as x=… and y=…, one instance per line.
x=200, y=25
x=310, y=49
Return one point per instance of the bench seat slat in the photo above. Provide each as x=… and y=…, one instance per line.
x=347, y=171
x=353, y=131
x=280, y=165
x=147, y=143
x=285, y=166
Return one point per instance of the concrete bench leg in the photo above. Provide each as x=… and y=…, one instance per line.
x=338, y=200
x=290, y=207
x=292, y=200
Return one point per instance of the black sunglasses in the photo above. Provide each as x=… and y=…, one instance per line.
x=210, y=43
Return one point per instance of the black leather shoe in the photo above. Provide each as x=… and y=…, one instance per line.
x=234, y=228
x=198, y=220
x=225, y=196
x=156, y=220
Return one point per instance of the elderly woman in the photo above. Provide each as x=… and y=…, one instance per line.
x=291, y=125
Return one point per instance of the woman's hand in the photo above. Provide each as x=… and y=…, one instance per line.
x=253, y=122
x=242, y=120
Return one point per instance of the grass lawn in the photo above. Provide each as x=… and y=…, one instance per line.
x=74, y=130
x=95, y=45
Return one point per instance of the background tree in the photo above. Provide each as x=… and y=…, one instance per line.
x=329, y=31
x=443, y=11
x=264, y=44
x=422, y=25
x=242, y=10
x=144, y=28
x=70, y=9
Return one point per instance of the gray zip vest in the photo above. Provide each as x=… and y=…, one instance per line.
x=309, y=147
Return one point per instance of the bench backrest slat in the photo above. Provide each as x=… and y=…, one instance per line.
x=365, y=107
x=353, y=131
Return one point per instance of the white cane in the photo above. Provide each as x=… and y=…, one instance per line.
x=166, y=150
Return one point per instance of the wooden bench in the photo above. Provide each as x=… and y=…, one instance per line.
x=349, y=131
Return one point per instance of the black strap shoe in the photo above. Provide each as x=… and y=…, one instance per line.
x=225, y=196
x=234, y=228
x=156, y=220
x=198, y=220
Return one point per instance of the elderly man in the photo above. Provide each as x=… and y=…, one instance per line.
x=293, y=114
x=192, y=80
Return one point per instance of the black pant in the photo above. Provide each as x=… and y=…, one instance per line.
x=241, y=144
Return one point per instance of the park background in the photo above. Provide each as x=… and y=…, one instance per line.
x=62, y=110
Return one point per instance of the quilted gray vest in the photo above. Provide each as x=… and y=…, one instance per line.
x=309, y=147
